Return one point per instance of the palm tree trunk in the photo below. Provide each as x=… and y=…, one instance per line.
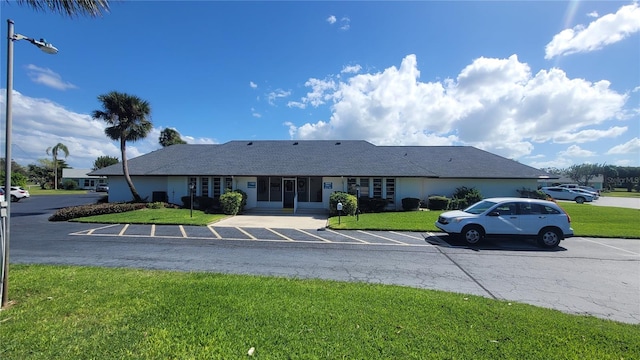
x=55, y=172
x=125, y=170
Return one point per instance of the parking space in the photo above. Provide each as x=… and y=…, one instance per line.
x=325, y=236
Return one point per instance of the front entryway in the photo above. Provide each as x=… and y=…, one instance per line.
x=288, y=199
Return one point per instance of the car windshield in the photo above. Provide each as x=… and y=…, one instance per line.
x=479, y=207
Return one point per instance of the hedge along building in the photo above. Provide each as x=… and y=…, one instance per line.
x=301, y=175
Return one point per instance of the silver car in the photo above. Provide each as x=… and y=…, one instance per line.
x=562, y=193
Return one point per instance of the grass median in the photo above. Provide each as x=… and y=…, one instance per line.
x=65, y=312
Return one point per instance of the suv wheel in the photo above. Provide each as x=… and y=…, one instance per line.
x=472, y=234
x=549, y=238
x=580, y=200
x=14, y=198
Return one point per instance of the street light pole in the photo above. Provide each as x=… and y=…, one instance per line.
x=6, y=211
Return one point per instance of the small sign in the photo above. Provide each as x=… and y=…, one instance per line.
x=328, y=185
x=251, y=185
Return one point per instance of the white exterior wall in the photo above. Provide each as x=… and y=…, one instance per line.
x=242, y=183
x=423, y=188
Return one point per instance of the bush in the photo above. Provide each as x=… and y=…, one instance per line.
x=69, y=184
x=74, y=212
x=532, y=194
x=372, y=205
x=410, y=204
x=463, y=197
x=438, y=202
x=348, y=201
x=156, y=205
x=231, y=202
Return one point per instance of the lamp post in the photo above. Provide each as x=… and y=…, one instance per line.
x=357, y=202
x=6, y=211
x=192, y=189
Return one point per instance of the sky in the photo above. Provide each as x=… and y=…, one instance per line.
x=549, y=84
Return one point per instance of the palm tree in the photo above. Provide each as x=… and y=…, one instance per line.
x=128, y=120
x=54, y=150
x=92, y=8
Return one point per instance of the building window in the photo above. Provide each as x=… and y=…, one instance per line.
x=194, y=181
x=364, y=187
x=391, y=190
x=204, y=186
x=263, y=189
x=377, y=188
x=303, y=189
x=216, y=187
x=228, y=184
x=275, y=189
x=315, y=189
x=351, y=186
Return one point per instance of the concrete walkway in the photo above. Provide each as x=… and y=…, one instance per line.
x=278, y=221
x=632, y=203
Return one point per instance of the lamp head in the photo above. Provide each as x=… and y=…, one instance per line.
x=43, y=45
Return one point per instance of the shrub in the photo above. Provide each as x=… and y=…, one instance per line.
x=464, y=196
x=438, y=202
x=231, y=202
x=372, y=205
x=348, y=201
x=69, y=184
x=410, y=204
x=74, y=212
x=532, y=194
x=155, y=205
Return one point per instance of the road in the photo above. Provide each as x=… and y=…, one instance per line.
x=599, y=277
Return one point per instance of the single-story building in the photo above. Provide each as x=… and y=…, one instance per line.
x=81, y=177
x=301, y=175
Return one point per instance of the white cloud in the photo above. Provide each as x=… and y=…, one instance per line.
x=40, y=123
x=345, y=23
x=253, y=85
x=593, y=14
x=630, y=147
x=277, y=94
x=353, y=69
x=576, y=151
x=48, y=78
x=332, y=19
x=494, y=104
x=606, y=30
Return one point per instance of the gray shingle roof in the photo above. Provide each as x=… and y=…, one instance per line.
x=323, y=158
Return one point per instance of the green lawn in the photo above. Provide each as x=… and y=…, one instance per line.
x=165, y=216
x=63, y=312
x=36, y=190
x=621, y=193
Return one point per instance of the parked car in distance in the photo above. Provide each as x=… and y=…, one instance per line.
x=17, y=193
x=595, y=195
x=576, y=186
x=562, y=193
x=543, y=220
x=102, y=188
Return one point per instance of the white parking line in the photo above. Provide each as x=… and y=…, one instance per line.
x=613, y=247
x=124, y=229
x=409, y=236
x=90, y=232
x=246, y=233
x=315, y=236
x=214, y=232
x=382, y=237
x=349, y=237
x=153, y=230
x=184, y=233
x=277, y=233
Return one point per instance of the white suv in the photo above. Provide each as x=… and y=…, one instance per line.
x=540, y=219
x=17, y=193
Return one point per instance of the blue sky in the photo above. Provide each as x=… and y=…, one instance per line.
x=546, y=83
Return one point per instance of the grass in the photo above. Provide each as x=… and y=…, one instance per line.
x=165, y=216
x=619, y=192
x=36, y=190
x=64, y=312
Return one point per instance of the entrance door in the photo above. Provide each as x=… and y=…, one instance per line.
x=289, y=187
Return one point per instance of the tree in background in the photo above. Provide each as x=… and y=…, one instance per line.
x=127, y=117
x=54, y=150
x=92, y=8
x=583, y=173
x=170, y=137
x=104, y=161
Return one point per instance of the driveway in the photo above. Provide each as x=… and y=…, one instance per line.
x=584, y=276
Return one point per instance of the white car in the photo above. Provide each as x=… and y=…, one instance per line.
x=512, y=217
x=17, y=193
x=562, y=193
